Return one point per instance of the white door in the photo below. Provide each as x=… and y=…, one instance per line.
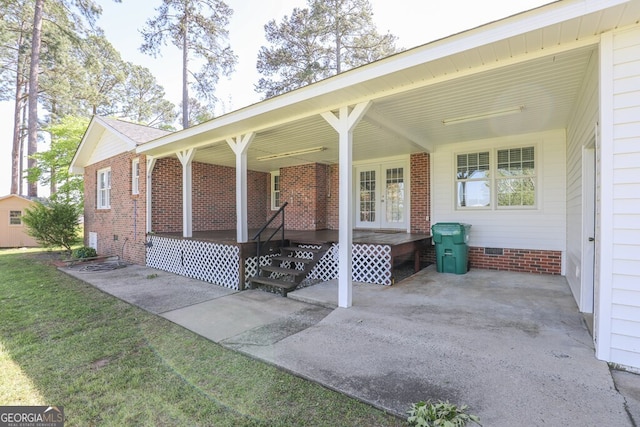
x=588, y=231
x=381, y=196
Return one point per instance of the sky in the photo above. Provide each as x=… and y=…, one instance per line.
x=414, y=22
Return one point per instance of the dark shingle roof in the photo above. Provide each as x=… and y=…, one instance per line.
x=138, y=133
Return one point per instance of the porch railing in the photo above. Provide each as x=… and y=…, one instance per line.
x=258, y=236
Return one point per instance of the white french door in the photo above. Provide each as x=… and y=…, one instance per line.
x=381, y=191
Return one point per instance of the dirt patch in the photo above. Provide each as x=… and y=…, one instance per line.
x=100, y=363
x=56, y=258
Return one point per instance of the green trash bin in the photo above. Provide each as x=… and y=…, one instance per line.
x=452, y=251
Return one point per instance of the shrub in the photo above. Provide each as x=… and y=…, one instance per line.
x=84, y=252
x=441, y=414
x=53, y=225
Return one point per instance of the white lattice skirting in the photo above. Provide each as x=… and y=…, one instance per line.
x=219, y=264
x=371, y=264
x=207, y=261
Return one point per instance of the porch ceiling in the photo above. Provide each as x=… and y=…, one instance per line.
x=506, y=64
x=411, y=121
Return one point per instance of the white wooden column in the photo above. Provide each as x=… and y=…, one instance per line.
x=344, y=123
x=240, y=146
x=151, y=163
x=186, y=158
x=603, y=283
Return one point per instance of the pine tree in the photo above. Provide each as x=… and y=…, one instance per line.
x=325, y=39
x=30, y=38
x=198, y=29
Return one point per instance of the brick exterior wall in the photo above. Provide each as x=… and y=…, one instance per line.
x=420, y=193
x=120, y=229
x=333, y=197
x=322, y=202
x=214, y=197
x=304, y=187
x=421, y=201
x=268, y=211
x=166, y=196
x=519, y=260
x=258, y=197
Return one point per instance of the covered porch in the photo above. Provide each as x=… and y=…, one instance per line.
x=503, y=119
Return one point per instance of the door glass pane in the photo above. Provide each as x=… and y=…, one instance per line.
x=368, y=196
x=394, y=194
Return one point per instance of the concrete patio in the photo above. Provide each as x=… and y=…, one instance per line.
x=512, y=346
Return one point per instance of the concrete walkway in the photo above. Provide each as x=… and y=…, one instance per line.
x=511, y=346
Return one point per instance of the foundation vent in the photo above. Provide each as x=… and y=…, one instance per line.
x=493, y=251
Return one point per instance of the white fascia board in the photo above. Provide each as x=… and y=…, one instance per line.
x=90, y=140
x=256, y=117
x=83, y=147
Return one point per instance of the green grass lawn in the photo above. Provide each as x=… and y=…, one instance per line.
x=63, y=342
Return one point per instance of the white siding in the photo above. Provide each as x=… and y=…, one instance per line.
x=580, y=133
x=622, y=197
x=110, y=145
x=542, y=228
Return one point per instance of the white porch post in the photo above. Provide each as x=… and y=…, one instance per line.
x=344, y=124
x=151, y=163
x=240, y=146
x=186, y=158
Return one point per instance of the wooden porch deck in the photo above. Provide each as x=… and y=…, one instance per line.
x=402, y=244
x=377, y=237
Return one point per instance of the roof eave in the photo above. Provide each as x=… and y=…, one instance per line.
x=18, y=196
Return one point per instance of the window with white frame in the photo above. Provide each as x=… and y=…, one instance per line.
x=504, y=178
x=473, y=183
x=516, y=177
x=15, y=217
x=135, y=176
x=104, y=189
x=275, y=190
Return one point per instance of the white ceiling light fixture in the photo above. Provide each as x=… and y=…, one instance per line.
x=482, y=116
x=290, y=153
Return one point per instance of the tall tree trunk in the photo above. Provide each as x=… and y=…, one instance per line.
x=16, y=170
x=23, y=127
x=53, y=187
x=185, y=85
x=338, y=57
x=338, y=51
x=32, y=136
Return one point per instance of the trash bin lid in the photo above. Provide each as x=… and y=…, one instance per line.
x=449, y=228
